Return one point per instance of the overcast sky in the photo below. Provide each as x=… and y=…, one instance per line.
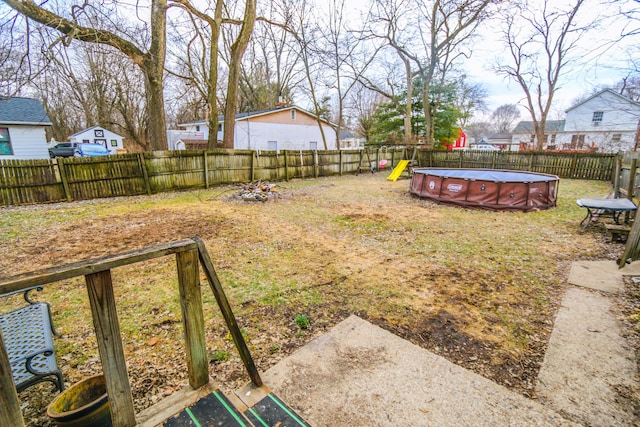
x=602, y=63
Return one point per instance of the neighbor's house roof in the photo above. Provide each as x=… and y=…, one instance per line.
x=612, y=92
x=251, y=114
x=93, y=127
x=23, y=111
x=527, y=127
x=500, y=136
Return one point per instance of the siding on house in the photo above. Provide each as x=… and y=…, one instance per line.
x=284, y=128
x=24, y=120
x=27, y=142
x=606, y=122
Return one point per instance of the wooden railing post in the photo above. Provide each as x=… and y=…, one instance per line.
x=10, y=413
x=105, y=323
x=192, y=317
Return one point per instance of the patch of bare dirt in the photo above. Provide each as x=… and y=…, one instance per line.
x=338, y=247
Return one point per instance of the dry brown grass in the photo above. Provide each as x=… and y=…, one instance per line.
x=480, y=288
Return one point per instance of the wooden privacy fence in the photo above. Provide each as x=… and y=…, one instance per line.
x=42, y=181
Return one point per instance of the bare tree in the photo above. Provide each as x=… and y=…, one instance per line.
x=470, y=98
x=305, y=33
x=503, y=117
x=541, y=44
x=440, y=29
x=344, y=56
x=270, y=69
x=149, y=56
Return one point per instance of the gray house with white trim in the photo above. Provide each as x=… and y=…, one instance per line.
x=22, y=129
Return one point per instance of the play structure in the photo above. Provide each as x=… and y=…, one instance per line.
x=486, y=188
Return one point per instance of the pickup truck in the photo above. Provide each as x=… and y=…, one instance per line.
x=63, y=149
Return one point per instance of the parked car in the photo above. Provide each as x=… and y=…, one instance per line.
x=91, y=150
x=63, y=149
x=485, y=147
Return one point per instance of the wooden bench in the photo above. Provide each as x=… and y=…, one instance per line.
x=618, y=232
x=28, y=338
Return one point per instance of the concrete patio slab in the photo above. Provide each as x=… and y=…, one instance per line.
x=358, y=374
x=601, y=275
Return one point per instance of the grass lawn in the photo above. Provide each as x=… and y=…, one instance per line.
x=480, y=288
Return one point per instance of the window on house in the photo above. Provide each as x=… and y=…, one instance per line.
x=577, y=142
x=197, y=128
x=293, y=114
x=553, y=138
x=616, y=137
x=597, y=117
x=219, y=127
x=532, y=139
x=5, y=142
x=85, y=141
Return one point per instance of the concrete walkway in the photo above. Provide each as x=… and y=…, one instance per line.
x=589, y=370
x=360, y=375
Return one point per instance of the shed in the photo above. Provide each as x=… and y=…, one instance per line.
x=22, y=129
x=99, y=135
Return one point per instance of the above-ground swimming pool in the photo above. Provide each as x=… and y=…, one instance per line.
x=486, y=188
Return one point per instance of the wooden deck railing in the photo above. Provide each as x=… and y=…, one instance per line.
x=190, y=254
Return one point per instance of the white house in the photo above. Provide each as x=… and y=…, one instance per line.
x=283, y=128
x=606, y=122
x=99, y=135
x=523, y=136
x=22, y=129
x=349, y=140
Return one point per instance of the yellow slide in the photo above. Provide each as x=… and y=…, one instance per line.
x=397, y=171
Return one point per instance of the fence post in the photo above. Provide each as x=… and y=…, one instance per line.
x=145, y=174
x=531, y=155
x=340, y=169
x=62, y=170
x=205, y=164
x=286, y=165
x=460, y=161
x=253, y=165
x=315, y=163
x=632, y=179
x=574, y=165
x=616, y=177
x=393, y=156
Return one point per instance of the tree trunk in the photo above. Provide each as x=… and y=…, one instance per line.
x=212, y=87
x=237, y=51
x=408, y=108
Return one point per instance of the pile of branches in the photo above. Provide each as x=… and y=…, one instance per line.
x=259, y=191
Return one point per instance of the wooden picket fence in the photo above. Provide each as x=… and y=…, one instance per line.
x=46, y=181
